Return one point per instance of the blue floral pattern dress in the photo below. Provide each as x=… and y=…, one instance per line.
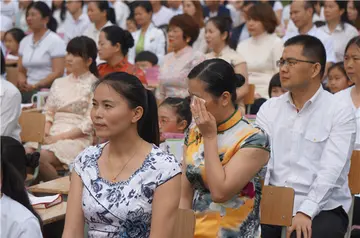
x=122, y=209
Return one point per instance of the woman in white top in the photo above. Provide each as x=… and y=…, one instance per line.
x=338, y=27
x=18, y=218
x=262, y=49
x=101, y=15
x=194, y=9
x=217, y=34
x=148, y=37
x=40, y=62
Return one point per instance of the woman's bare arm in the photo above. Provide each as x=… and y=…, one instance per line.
x=164, y=208
x=227, y=181
x=74, y=222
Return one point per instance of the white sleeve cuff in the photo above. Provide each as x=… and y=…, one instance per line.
x=309, y=208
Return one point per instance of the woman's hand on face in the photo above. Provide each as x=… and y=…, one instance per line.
x=204, y=120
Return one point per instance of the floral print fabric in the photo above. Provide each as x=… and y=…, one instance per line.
x=238, y=217
x=122, y=209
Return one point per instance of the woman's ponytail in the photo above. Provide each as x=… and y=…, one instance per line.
x=149, y=129
x=131, y=88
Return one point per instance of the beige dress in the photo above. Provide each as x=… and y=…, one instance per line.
x=67, y=107
x=261, y=53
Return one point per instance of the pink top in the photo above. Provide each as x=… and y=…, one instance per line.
x=174, y=72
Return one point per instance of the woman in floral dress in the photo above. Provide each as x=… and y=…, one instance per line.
x=223, y=157
x=127, y=187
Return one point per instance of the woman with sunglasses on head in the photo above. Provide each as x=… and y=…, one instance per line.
x=223, y=155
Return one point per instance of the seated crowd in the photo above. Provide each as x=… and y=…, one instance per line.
x=123, y=80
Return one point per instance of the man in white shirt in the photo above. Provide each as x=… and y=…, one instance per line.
x=161, y=14
x=312, y=136
x=77, y=23
x=302, y=12
x=175, y=7
x=122, y=12
x=10, y=104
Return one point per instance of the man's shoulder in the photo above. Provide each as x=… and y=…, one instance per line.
x=8, y=89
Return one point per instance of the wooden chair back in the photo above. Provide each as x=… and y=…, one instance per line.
x=276, y=206
x=32, y=127
x=249, y=98
x=12, y=75
x=354, y=174
x=185, y=224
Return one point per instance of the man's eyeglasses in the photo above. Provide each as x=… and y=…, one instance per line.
x=291, y=62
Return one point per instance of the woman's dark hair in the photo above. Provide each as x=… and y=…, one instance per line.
x=344, y=17
x=274, y=82
x=147, y=56
x=16, y=33
x=223, y=24
x=12, y=184
x=218, y=75
x=3, y=70
x=264, y=13
x=188, y=25
x=199, y=15
x=116, y=35
x=130, y=87
x=353, y=41
x=62, y=10
x=182, y=108
x=110, y=12
x=340, y=66
x=84, y=47
x=356, y=22
x=45, y=11
x=146, y=5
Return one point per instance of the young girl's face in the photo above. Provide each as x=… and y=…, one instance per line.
x=277, y=91
x=337, y=81
x=168, y=121
x=11, y=44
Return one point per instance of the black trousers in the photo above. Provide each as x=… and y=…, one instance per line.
x=327, y=224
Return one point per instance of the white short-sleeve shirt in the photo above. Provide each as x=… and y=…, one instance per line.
x=36, y=57
x=17, y=221
x=6, y=23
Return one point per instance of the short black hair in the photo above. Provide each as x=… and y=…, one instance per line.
x=313, y=49
x=274, y=82
x=147, y=56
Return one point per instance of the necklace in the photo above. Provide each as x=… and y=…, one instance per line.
x=113, y=180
